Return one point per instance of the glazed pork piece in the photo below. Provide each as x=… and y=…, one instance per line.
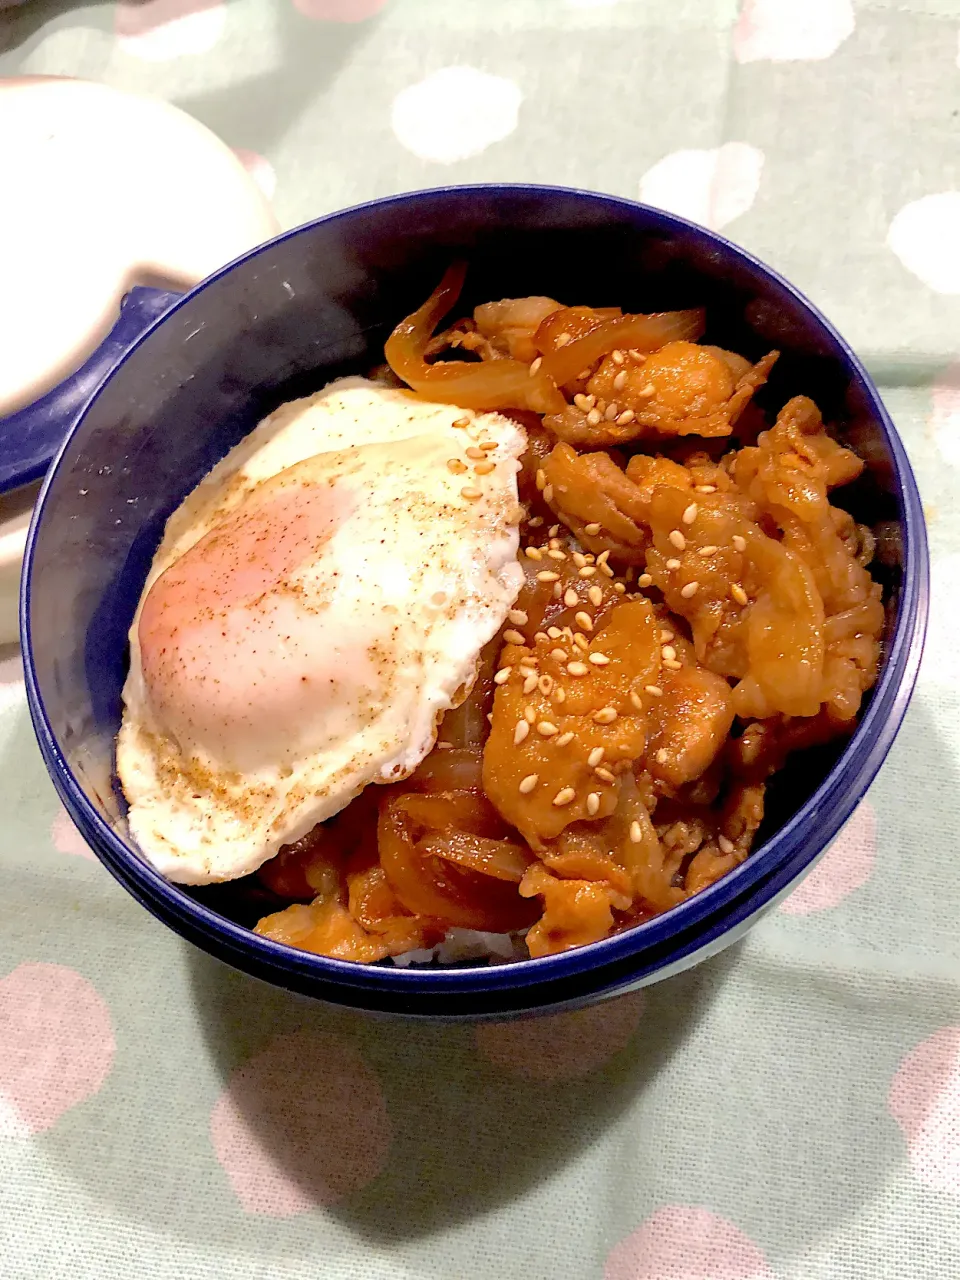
x=694, y=609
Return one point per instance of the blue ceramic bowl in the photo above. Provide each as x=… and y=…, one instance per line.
x=316, y=303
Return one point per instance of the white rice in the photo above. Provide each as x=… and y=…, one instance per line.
x=469, y=944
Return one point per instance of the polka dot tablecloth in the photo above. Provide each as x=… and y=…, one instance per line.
x=790, y=1111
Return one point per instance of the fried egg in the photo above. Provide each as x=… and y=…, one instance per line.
x=315, y=606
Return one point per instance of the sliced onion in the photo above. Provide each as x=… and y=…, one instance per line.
x=493, y=384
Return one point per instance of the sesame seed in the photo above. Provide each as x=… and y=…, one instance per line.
x=739, y=543
x=570, y=598
x=678, y=540
x=666, y=637
x=581, y=641
x=636, y=835
x=645, y=580
x=577, y=669
x=620, y=381
x=587, y=570
x=690, y=514
x=593, y=803
x=470, y=493
x=553, y=530
x=668, y=653
x=606, y=715
x=647, y=391
x=528, y=661
x=663, y=755
x=583, y=402
x=564, y=796
x=709, y=550
x=529, y=715
x=530, y=683
x=513, y=637
x=673, y=565
x=672, y=665
x=726, y=846
x=520, y=732
x=548, y=493
x=594, y=417
x=456, y=466
x=592, y=529
x=461, y=422
x=706, y=488
x=554, y=633
x=618, y=356
x=626, y=418
x=599, y=659
x=564, y=339
x=559, y=654
x=565, y=738
x=503, y=675
x=557, y=589
x=533, y=553
x=547, y=729
x=474, y=452
x=545, y=685
x=738, y=593
x=611, y=411
x=690, y=590
x=535, y=522
x=579, y=559
x=488, y=446
x=584, y=621
x=605, y=774
x=535, y=366
x=541, y=478
x=605, y=569
x=559, y=694
x=595, y=756
x=584, y=374
x=547, y=575
x=595, y=596
x=484, y=468
x=619, y=588
x=528, y=783
x=654, y=690
x=556, y=554
x=541, y=637
x=518, y=617
x=635, y=700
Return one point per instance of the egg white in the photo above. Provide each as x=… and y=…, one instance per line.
x=381, y=632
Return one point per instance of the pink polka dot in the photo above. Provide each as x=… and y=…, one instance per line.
x=339, y=10
x=709, y=187
x=791, y=30
x=56, y=1044
x=260, y=170
x=924, y=1100
x=562, y=1045
x=303, y=1123
x=67, y=839
x=847, y=865
x=160, y=30
x=925, y=236
x=684, y=1242
x=945, y=415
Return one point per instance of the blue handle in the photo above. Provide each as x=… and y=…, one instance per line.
x=30, y=437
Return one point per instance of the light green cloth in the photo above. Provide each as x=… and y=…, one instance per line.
x=790, y=1110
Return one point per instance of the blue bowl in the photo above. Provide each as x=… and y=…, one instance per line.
x=319, y=302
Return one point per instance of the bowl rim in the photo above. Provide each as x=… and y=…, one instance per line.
x=825, y=811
